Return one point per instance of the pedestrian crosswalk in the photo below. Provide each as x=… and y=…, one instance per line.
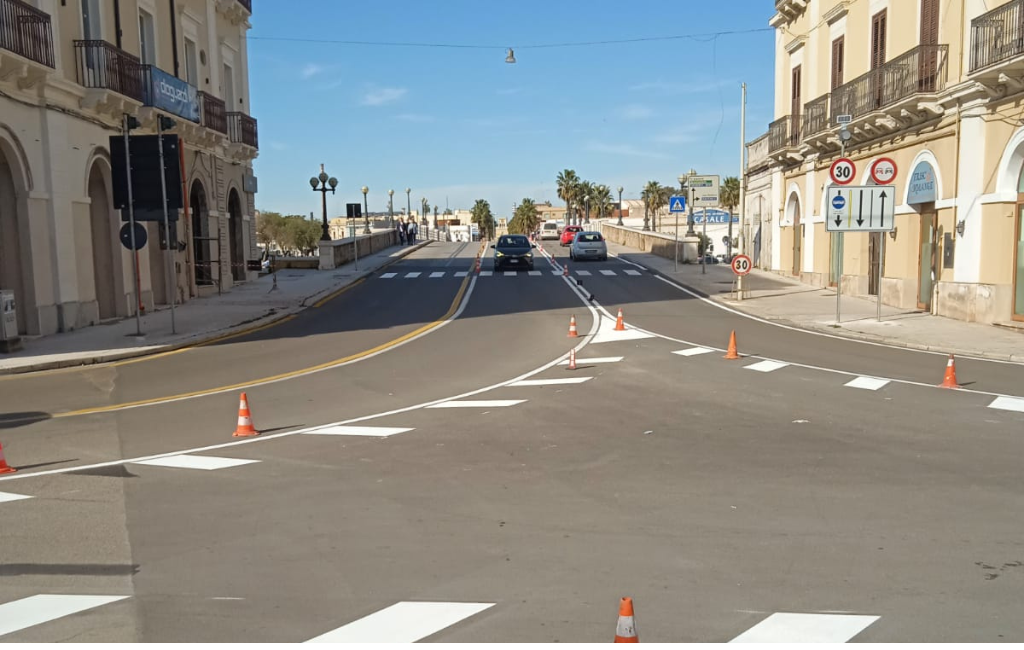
x=409, y=621
x=534, y=273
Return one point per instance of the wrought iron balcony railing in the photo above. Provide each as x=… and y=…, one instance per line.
x=101, y=65
x=997, y=35
x=917, y=71
x=26, y=31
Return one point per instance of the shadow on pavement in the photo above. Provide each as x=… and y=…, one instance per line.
x=38, y=569
x=22, y=419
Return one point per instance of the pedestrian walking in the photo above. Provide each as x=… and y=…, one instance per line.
x=401, y=231
x=413, y=230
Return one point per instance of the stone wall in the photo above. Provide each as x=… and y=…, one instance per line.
x=655, y=243
x=341, y=251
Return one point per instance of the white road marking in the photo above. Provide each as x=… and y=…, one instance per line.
x=187, y=461
x=607, y=333
x=1008, y=404
x=583, y=273
x=535, y=273
x=413, y=274
x=556, y=272
x=692, y=352
x=388, y=276
x=405, y=622
x=475, y=404
x=632, y=272
x=867, y=383
x=510, y=274
x=766, y=366
x=486, y=274
x=806, y=628
x=607, y=272
x=437, y=274
x=36, y=610
x=338, y=430
x=461, y=274
x=550, y=382
x=10, y=496
x=593, y=360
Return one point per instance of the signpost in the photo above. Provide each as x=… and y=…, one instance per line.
x=883, y=170
x=741, y=265
x=676, y=205
x=842, y=171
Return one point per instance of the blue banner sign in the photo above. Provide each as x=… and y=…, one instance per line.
x=168, y=93
x=922, y=184
x=714, y=216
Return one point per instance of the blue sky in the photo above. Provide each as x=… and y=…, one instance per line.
x=461, y=123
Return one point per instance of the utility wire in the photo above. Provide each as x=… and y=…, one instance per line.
x=706, y=36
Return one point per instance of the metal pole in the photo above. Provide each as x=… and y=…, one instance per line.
x=839, y=280
x=704, y=257
x=881, y=263
x=675, y=257
x=172, y=279
x=131, y=225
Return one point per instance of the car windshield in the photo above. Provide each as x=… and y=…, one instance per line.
x=550, y=226
x=513, y=242
x=589, y=237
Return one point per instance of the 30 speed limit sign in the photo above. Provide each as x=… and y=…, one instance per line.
x=741, y=265
x=842, y=171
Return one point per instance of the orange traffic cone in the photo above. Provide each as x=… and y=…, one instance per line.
x=949, y=381
x=625, y=629
x=572, y=328
x=245, y=427
x=572, y=359
x=565, y=269
x=731, y=352
x=4, y=467
x=619, y=325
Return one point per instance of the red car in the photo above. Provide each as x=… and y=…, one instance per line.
x=569, y=233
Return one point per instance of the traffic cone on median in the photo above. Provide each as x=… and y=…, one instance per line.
x=572, y=359
x=572, y=328
x=565, y=269
x=4, y=467
x=731, y=353
x=625, y=629
x=949, y=381
x=619, y=325
x=245, y=427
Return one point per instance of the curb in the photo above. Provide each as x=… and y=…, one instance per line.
x=840, y=332
x=267, y=320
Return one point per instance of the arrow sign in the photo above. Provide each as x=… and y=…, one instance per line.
x=875, y=209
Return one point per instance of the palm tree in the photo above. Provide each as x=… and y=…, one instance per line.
x=729, y=196
x=602, y=200
x=567, y=182
x=654, y=196
x=585, y=197
x=525, y=220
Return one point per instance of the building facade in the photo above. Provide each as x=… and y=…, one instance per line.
x=936, y=86
x=70, y=71
x=757, y=203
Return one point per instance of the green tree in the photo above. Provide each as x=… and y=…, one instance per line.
x=729, y=196
x=567, y=186
x=654, y=196
x=526, y=219
x=601, y=204
x=269, y=230
x=483, y=218
x=302, y=234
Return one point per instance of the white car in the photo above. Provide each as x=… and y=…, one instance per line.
x=549, y=230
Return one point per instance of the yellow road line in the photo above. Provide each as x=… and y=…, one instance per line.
x=286, y=375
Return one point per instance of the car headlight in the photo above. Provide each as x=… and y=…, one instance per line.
x=499, y=254
x=529, y=254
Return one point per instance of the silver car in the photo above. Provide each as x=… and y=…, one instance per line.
x=588, y=245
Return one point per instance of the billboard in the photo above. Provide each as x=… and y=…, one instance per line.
x=168, y=93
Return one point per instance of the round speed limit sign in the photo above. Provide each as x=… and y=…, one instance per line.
x=842, y=171
x=741, y=265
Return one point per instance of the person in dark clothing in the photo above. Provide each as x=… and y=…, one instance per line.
x=401, y=231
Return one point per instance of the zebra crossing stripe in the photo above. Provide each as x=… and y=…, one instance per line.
x=437, y=274
x=388, y=276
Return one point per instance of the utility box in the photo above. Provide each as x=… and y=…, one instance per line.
x=9, y=339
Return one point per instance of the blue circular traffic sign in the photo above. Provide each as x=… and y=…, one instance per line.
x=838, y=202
x=140, y=236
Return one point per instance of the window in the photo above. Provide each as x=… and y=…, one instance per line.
x=838, y=47
x=91, y=20
x=878, y=25
x=147, y=36
x=228, y=83
x=191, y=63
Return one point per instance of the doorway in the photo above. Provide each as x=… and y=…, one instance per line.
x=1018, y=262
x=103, y=248
x=798, y=237
x=926, y=260
x=835, y=268
x=200, y=235
x=235, y=244
x=874, y=261
x=11, y=261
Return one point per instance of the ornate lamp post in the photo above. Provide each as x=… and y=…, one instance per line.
x=391, y=208
x=320, y=184
x=408, y=203
x=366, y=210
x=620, y=206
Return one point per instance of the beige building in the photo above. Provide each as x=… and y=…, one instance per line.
x=69, y=71
x=936, y=86
x=757, y=199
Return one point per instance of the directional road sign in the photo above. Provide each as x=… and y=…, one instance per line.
x=677, y=204
x=861, y=208
x=704, y=190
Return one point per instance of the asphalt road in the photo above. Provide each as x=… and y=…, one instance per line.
x=452, y=486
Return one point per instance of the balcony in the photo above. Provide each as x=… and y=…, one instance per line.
x=212, y=113
x=997, y=39
x=102, y=66
x=26, y=31
x=237, y=12
x=920, y=71
x=783, y=138
x=816, y=116
x=247, y=4
x=786, y=11
x=242, y=129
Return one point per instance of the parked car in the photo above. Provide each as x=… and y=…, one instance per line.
x=568, y=233
x=588, y=245
x=513, y=250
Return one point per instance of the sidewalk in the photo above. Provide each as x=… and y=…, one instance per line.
x=773, y=297
x=245, y=307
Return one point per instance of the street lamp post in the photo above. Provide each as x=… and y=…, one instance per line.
x=586, y=202
x=320, y=184
x=620, y=206
x=603, y=191
x=391, y=208
x=366, y=209
x=684, y=184
x=408, y=202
